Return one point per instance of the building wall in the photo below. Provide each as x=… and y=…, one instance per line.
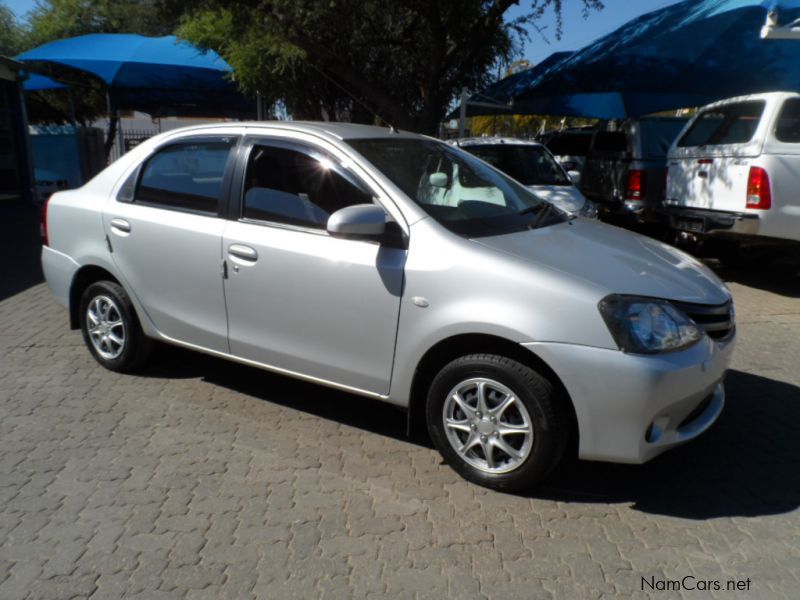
x=16, y=176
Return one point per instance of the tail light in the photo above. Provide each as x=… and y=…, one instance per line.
x=637, y=185
x=43, y=225
x=759, y=194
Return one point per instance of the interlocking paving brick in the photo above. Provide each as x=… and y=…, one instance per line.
x=198, y=478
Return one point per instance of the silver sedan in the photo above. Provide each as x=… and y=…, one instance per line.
x=400, y=268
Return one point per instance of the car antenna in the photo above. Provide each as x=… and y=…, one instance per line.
x=392, y=128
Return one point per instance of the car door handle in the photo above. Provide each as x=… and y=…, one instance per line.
x=243, y=252
x=121, y=225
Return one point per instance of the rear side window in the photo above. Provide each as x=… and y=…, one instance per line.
x=299, y=187
x=788, y=127
x=185, y=176
x=530, y=165
x=729, y=124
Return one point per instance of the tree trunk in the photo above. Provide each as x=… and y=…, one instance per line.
x=111, y=135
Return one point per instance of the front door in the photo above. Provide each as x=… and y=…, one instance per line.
x=298, y=299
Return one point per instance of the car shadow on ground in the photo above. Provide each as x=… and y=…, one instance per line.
x=745, y=465
x=345, y=408
x=784, y=281
x=20, y=265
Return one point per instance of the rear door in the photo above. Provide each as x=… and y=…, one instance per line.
x=165, y=229
x=710, y=163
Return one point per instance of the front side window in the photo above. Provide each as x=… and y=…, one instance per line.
x=729, y=124
x=460, y=191
x=787, y=128
x=528, y=164
x=297, y=186
x=185, y=176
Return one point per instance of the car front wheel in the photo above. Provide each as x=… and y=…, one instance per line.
x=111, y=329
x=496, y=421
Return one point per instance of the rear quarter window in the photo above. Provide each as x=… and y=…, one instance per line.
x=787, y=129
x=729, y=124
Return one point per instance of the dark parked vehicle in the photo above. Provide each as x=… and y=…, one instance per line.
x=570, y=147
x=625, y=171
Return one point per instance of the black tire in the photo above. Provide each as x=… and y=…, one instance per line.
x=542, y=401
x=136, y=348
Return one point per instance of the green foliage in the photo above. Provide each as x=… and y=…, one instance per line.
x=55, y=19
x=10, y=33
x=405, y=60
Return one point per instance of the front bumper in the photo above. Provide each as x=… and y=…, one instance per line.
x=710, y=222
x=631, y=408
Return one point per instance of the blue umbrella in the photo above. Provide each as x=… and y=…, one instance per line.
x=146, y=73
x=686, y=54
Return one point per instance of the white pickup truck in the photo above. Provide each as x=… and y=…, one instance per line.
x=734, y=173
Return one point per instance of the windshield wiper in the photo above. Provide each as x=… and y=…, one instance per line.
x=545, y=208
x=531, y=209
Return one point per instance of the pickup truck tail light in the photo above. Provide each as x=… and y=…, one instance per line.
x=43, y=224
x=759, y=194
x=637, y=185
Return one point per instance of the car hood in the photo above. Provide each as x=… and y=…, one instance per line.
x=615, y=260
x=565, y=197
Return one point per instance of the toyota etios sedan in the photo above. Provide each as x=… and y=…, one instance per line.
x=400, y=268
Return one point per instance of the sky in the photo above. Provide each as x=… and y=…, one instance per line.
x=577, y=32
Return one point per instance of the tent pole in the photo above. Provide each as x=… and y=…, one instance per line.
x=462, y=114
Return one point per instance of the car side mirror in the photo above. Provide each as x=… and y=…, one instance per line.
x=574, y=177
x=438, y=180
x=358, y=221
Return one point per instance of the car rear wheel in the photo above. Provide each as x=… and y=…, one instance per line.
x=111, y=329
x=496, y=421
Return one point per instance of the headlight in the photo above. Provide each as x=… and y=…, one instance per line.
x=647, y=325
x=588, y=210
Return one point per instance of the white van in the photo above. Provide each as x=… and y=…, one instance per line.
x=734, y=172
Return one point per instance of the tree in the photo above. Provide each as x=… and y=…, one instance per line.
x=56, y=19
x=10, y=33
x=402, y=60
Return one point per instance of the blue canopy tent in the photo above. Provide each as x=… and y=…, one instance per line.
x=497, y=98
x=39, y=83
x=159, y=76
x=686, y=54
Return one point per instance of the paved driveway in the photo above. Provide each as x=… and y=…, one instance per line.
x=204, y=479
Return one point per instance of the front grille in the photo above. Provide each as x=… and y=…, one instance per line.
x=717, y=321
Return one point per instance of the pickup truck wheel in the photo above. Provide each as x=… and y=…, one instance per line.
x=111, y=329
x=496, y=421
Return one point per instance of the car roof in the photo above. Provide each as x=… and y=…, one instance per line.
x=763, y=96
x=341, y=131
x=492, y=141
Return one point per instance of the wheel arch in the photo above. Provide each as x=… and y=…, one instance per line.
x=83, y=278
x=456, y=346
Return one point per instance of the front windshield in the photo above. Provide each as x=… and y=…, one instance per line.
x=461, y=192
x=528, y=164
